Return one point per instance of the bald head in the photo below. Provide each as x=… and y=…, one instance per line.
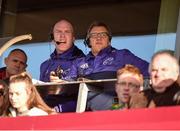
x=63, y=34
x=16, y=62
x=64, y=24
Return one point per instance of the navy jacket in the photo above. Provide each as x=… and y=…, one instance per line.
x=105, y=64
x=64, y=61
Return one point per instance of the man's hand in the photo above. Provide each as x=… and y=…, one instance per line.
x=177, y=97
x=138, y=100
x=82, y=79
x=55, y=78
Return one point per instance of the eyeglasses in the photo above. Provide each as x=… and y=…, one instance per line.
x=129, y=84
x=101, y=35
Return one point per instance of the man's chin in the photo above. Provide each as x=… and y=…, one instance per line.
x=159, y=89
x=125, y=100
x=160, y=86
x=16, y=72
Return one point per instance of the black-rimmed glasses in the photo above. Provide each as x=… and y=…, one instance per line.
x=129, y=84
x=101, y=34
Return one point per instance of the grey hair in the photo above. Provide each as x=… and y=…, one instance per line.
x=170, y=53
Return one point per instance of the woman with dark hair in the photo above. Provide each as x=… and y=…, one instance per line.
x=25, y=99
x=4, y=99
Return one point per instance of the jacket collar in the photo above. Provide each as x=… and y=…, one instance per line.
x=103, y=52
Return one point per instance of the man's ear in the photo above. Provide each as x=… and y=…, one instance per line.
x=74, y=39
x=26, y=66
x=116, y=88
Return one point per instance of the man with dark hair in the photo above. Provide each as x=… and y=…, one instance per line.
x=16, y=62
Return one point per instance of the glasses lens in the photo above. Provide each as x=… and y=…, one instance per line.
x=96, y=35
x=129, y=84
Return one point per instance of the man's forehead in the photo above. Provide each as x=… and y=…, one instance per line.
x=163, y=57
x=163, y=61
x=63, y=24
x=98, y=28
x=129, y=76
x=18, y=57
x=16, y=53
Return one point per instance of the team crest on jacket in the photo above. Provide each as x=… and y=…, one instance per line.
x=108, y=61
x=84, y=66
x=66, y=71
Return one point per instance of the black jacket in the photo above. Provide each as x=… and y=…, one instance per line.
x=163, y=99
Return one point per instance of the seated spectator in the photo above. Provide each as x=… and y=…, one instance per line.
x=4, y=98
x=129, y=81
x=164, y=71
x=15, y=63
x=24, y=98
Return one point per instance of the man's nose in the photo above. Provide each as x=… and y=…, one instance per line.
x=126, y=87
x=98, y=38
x=62, y=34
x=13, y=97
x=158, y=72
x=18, y=64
